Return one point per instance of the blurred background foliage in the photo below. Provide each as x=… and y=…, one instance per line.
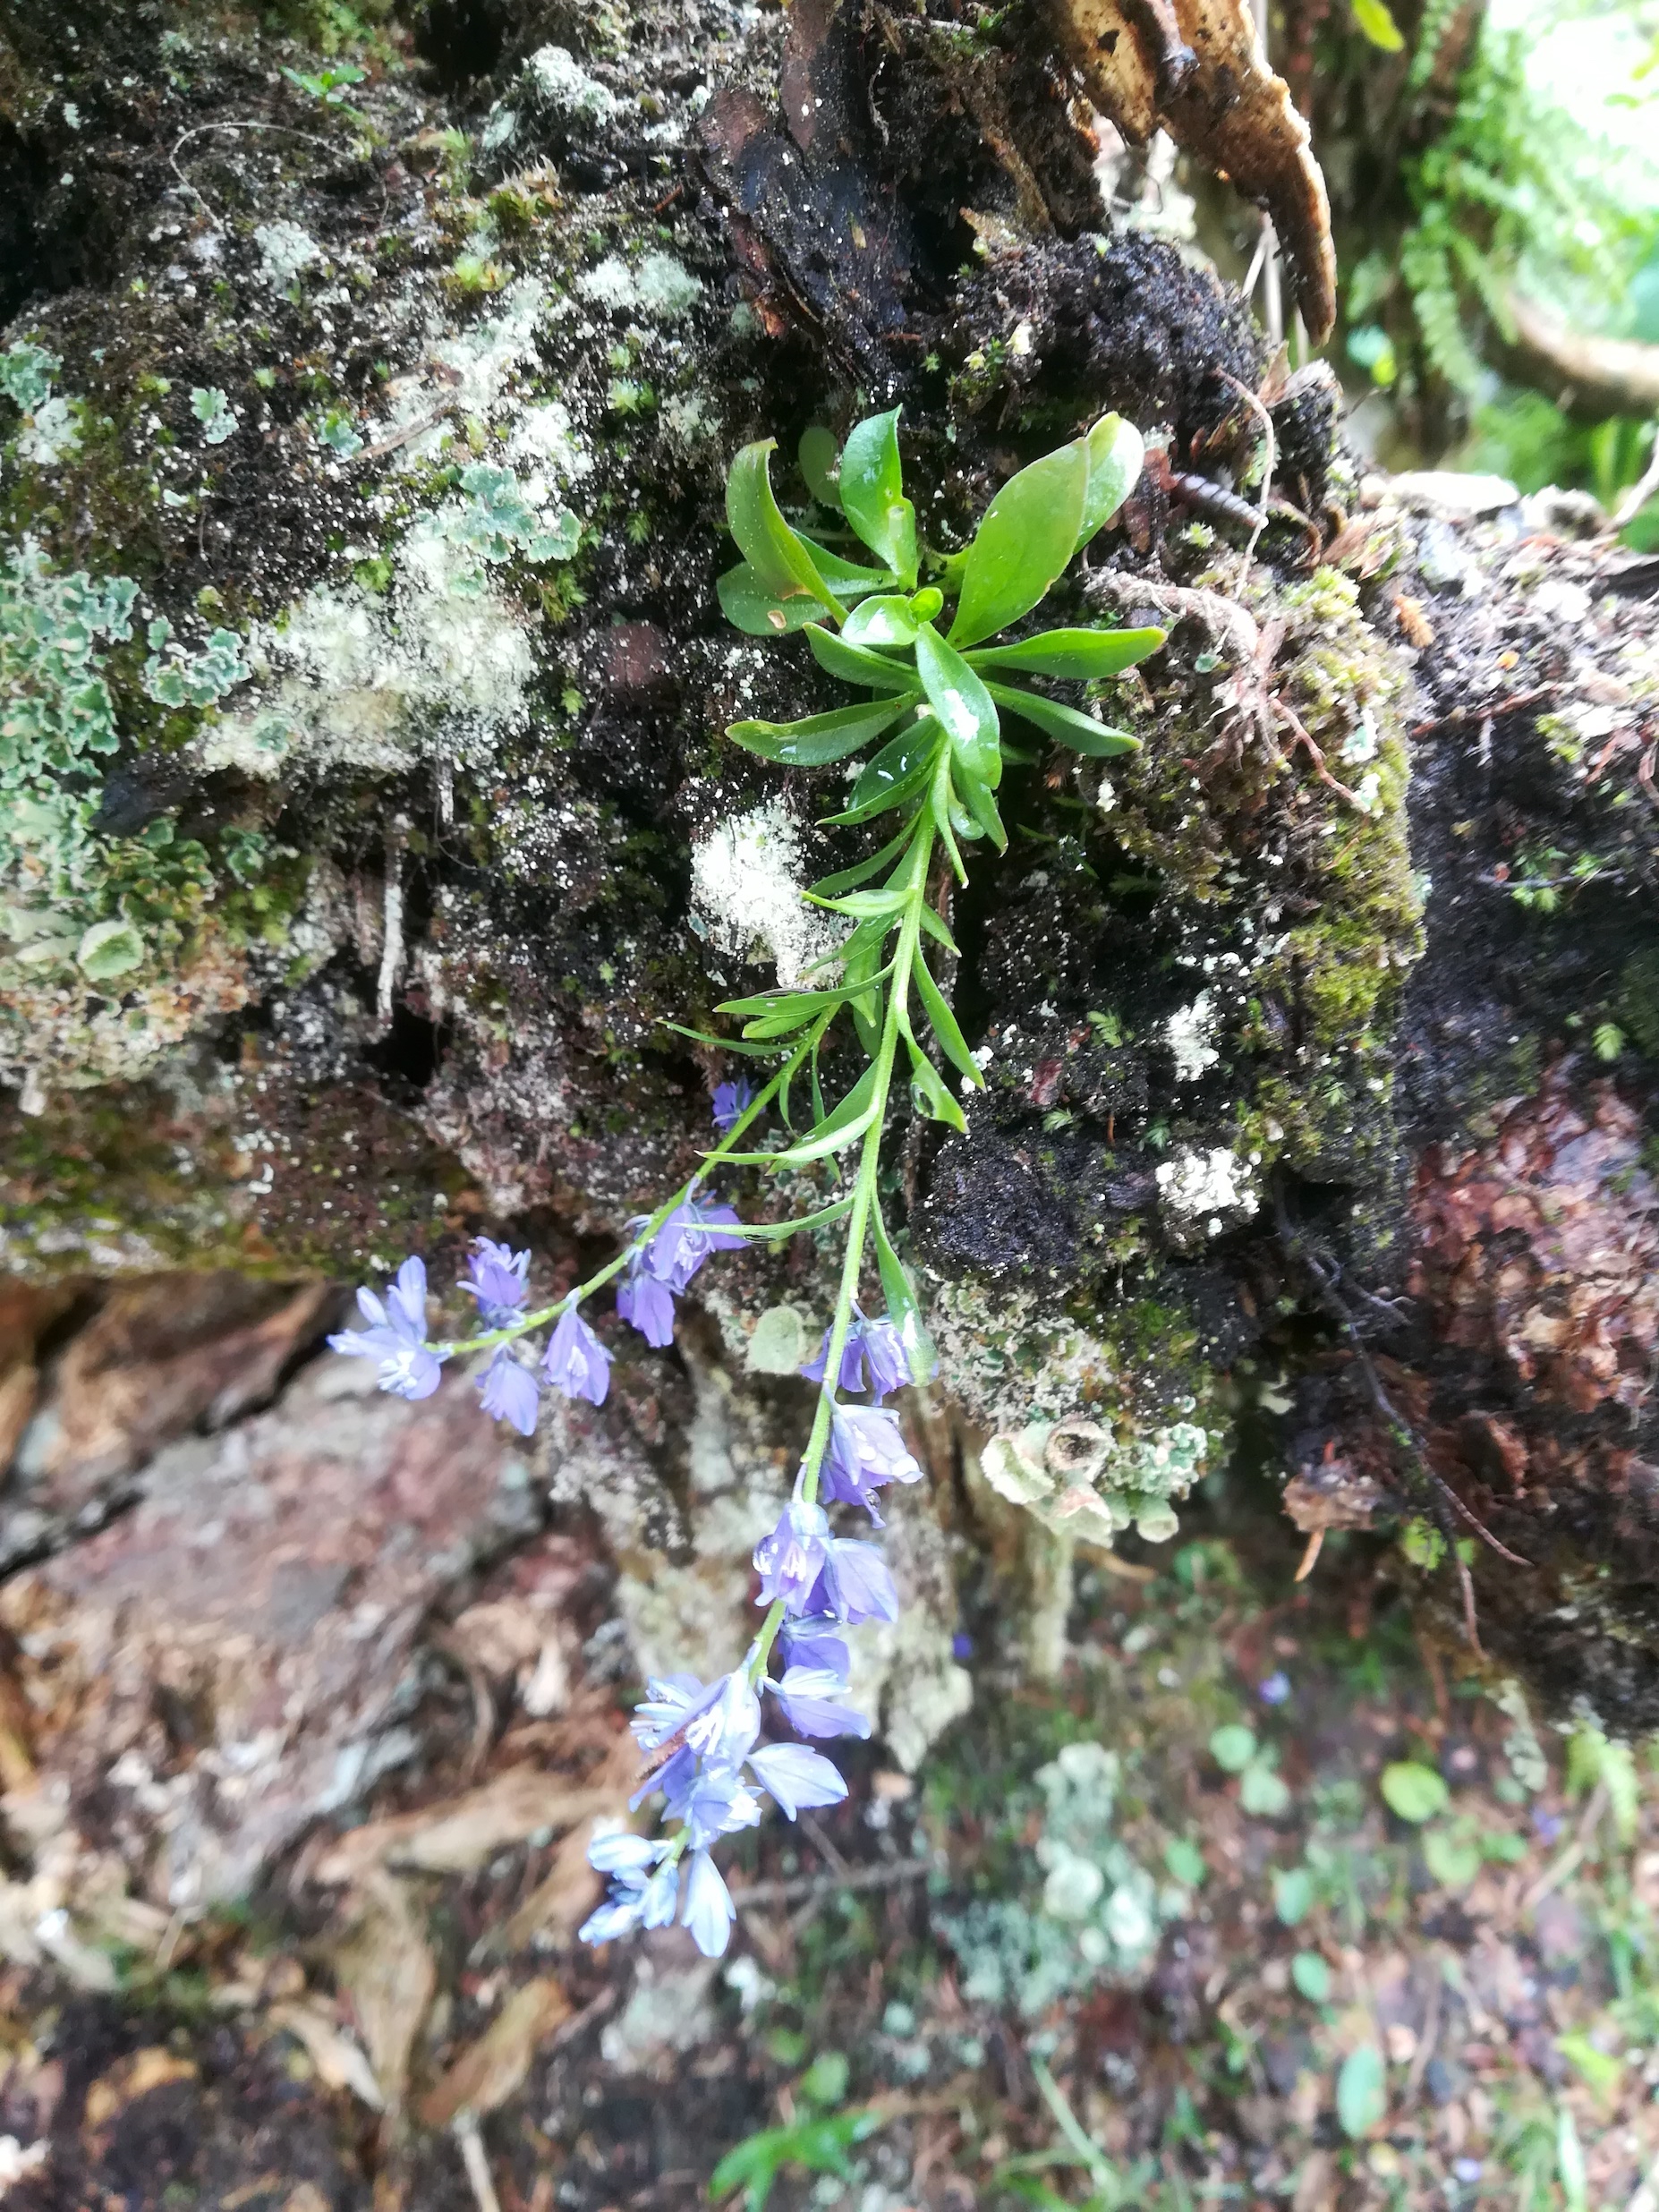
x=1493, y=170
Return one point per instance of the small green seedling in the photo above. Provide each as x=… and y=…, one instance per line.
x=818, y=2139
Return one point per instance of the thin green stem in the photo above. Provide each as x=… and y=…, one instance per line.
x=521, y=1323
x=895, y=1024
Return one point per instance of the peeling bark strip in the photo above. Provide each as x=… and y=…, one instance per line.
x=1196, y=67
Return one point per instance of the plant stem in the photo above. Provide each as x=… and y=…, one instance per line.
x=522, y=1323
x=914, y=866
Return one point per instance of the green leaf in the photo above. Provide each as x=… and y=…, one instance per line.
x=751, y=604
x=1311, y=1976
x=1451, y=1861
x=863, y=905
x=824, y=2083
x=945, y=1025
x=1569, y=2163
x=817, y=455
x=822, y=738
x=1080, y=731
x=1083, y=655
x=898, y=772
x=765, y=1004
x=109, y=949
x=1361, y=2091
x=981, y=807
x=1116, y=459
x=873, y=494
x=928, y=1090
x=1028, y=534
x=962, y=704
x=1263, y=1793
x=884, y=620
x=1413, y=1792
x=1379, y=26
x=844, y=578
x=850, y=878
x=1232, y=1747
x=776, y=1231
x=857, y=664
x=725, y=1044
x=903, y=1308
x=1293, y=1894
x=779, y=557
x=844, y=1126
x=1185, y=1861
x=936, y=929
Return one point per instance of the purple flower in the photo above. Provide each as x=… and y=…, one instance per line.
x=497, y=1280
x=709, y=1910
x=796, y=1776
x=669, y=1702
x=575, y=1361
x=510, y=1392
x=790, y=1560
x=409, y=1368
x=732, y=1100
x=1275, y=1689
x=866, y=1452
x=807, y=1645
x=685, y=1240
x=812, y=1699
x=855, y=1586
x=723, y=1731
x=875, y=1345
x=717, y=1803
x=638, y=1898
x=646, y=1303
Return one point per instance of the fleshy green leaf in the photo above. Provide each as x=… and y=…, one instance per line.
x=844, y=578
x=928, y=1090
x=900, y=769
x=1079, y=654
x=936, y=929
x=850, y=878
x=981, y=807
x=903, y=1308
x=884, y=620
x=764, y=1005
x=817, y=455
x=1080, y=731
x=962, y=704
x=1378, y=24
x=862, y=906
x=873, y=494
x=751, y=604
x=822, y=738
x=1028, y=534
x=793, y=1228
x=1361, y=2095
x=1116, y=459
x=857, y=664
x=765, y=1050
x=1413, y=1792
x=779, y=555
x=944, y=1025
x=844, y=1126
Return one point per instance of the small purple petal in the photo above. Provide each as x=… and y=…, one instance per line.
x=866, y=1452
x=617, y=1850
x=575, y=1361
x=496, y=1278
x=813, y=1701
x=796, y=1776
x=509, y=1392
x=686, y=1238
x=649, y=1306
x=808, y=1643
x=790, y=1560
x=857, y=1585
x=732, y=1100
x=709, y=1910
x=1275, y=1689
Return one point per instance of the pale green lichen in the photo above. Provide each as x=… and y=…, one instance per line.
x=1085, y=1909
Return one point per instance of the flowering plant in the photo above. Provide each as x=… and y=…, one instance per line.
x=935, y=700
